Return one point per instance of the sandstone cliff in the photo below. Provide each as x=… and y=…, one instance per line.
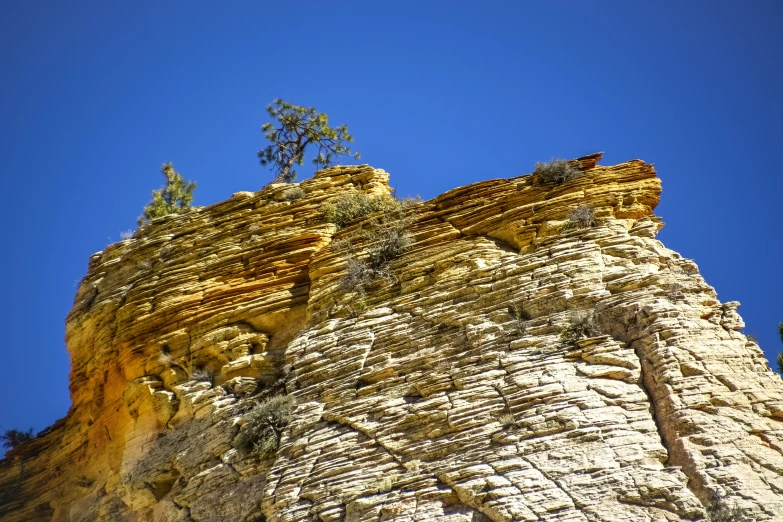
x=430, y=401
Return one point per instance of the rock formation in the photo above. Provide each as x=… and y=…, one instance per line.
x=447, y=393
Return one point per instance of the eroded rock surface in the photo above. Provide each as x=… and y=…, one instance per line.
x=431, y=400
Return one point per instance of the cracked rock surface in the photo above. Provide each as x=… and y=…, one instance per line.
x=450, y=394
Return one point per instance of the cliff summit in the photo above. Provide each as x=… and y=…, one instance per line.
x=516, y=359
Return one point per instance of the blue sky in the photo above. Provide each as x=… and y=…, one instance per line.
x=94, y=96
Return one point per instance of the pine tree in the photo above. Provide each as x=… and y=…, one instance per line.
x=13, y=438
x=300, y=127
x=171, y=199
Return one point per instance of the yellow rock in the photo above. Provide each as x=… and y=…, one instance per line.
x=458, y=360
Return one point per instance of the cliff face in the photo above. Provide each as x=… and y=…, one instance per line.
x=427, y=399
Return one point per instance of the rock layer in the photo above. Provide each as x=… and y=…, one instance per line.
x=444, y=393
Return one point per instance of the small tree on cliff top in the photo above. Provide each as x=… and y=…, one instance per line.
x=171, y=199
x=13, y=438
x=298, y=128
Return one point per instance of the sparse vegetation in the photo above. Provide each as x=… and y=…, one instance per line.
x=780, y=355
x=358, y=307
x=351, y=206
x=506, y=420
x=13, y=438
x=83, y=481
x=193, y=373
x=165, y=251
x=357, y=275
x=556, y=171
x=175, y=197
x=521, y=316
x=413, y=467
x=384, y=485
x=580, y=325
x=582, y=216
x=265, y=424
x=674, y=292
x=752, y=338
x=293, y=193
x=202, y=375
x=387, y=242
x=127, y=234
x=387, y=239
x=720, y=512
x=298, y=128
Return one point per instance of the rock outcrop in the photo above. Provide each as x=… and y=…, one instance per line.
x=447, y=392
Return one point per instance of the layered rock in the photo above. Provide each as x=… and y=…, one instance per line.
x=446, y=392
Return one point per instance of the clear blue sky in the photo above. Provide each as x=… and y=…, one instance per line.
x=94, y=96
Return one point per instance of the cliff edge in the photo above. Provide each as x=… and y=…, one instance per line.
x=447, y=392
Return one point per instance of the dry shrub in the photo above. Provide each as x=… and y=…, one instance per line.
x=674, y=292
x=202, y=375
x=413, y=467
x=388, y=243
x=383, y=485
x=521, y=315
x=387, y=239
x=724, y=513
x=265, y=424
x=506, y=420
x=580, y=325
x=582, y=216
x=556, y=171
x=293, y=193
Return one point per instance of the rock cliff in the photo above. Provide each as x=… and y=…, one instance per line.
x=446, y=393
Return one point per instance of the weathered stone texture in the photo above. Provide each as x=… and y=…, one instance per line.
x=428, y=402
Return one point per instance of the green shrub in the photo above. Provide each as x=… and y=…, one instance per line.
x=357, y=307
x=582, y=216
x=265, y=424
x=580, y=325
x=556, y=171
x=351, y=206
x=780, y=355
